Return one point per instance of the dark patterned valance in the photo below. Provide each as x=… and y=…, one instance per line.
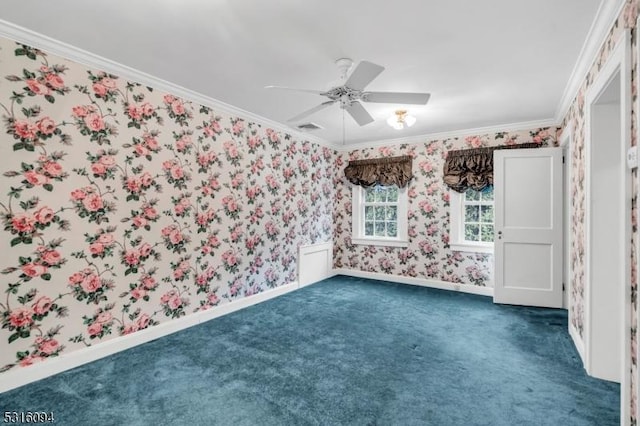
x=473, y=168
x=380, y=171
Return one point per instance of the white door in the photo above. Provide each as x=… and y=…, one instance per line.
x=528, y=226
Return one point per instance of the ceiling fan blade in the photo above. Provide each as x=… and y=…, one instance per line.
x=364, y=74
x=396, y=98
x=311, y=111
x=293, y=89
x=357, y=111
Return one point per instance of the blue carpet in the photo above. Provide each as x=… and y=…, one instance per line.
x=343, y=351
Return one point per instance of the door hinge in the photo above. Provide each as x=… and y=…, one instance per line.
x=563, y=159
x=562, y=286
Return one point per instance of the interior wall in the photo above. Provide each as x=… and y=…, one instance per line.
x=428, y=255
x=576, y=115
x=124, y=207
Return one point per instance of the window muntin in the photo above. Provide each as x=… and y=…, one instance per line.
x=477, y=222
x=472, y=221
x=381, y=211
x=379, y=216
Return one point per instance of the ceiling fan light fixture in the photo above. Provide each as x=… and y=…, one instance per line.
x=350, y=93
x=401, y=119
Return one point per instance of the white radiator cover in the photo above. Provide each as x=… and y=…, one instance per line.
x=315, y=263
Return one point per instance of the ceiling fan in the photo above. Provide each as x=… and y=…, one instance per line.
x=351, y=92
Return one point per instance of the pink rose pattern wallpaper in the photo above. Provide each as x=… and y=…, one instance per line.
x=576, y=118
x=123, y=208
x=428, y=255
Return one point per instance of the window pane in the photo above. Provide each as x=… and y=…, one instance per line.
x=486, y=233
x=392, y=229
x=379, y=213
x=392, y=213
x=471, y=213
x=392, y=194
x=472, y=232
x=487, y=194
x=369, y=195
x=368, y=212
x=486, y=214
x=368, y=228
x=472, y=195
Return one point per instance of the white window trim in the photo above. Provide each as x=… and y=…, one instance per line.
x=456, y=233
x=357, y=221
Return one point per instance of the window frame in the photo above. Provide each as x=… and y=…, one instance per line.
x=357, y=221
x=456, y=224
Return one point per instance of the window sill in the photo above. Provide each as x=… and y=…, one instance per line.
x=380, y=242
x=473, y=248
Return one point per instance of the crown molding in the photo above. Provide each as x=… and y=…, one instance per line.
x=83, y=57
x=512, y=127
x=606, y=15
x=608, y=12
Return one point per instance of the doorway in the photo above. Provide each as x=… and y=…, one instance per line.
x=607, y=223
x=604, y=238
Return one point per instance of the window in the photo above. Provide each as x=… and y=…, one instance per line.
x=380, y=216
x=472, y=221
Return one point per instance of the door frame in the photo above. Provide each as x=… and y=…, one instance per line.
x=619, y=62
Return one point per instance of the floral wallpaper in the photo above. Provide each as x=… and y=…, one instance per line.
x=428, y=255
x=123, y=207
x=576, y=117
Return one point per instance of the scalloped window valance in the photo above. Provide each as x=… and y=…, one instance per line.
x=473, y=168
x=380, y=171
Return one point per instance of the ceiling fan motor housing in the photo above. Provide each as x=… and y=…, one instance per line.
x=351, y=91
x=345, y=95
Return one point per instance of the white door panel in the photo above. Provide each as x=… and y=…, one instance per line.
x=530, y=205
x=528, y=225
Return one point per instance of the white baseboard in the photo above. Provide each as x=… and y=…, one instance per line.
x=422, y=282
x=20, y=376
x=577, y=342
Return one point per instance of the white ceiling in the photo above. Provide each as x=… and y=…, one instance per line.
x=485, y=63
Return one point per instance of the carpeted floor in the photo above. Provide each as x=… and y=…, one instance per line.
x=343, y=351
